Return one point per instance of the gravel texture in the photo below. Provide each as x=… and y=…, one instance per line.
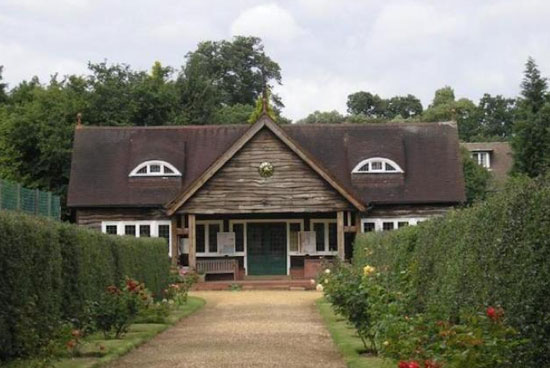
x=243, y=329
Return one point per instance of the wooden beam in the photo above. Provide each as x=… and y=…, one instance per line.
x=192, y=242
x=174, y=245
x=357, y=222
x=340, y=235
x=183, y=232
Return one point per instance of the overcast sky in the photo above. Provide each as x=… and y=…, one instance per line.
x=326, y=49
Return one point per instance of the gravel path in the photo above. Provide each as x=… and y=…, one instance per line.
x=243, y=329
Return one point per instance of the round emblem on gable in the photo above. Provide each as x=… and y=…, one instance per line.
x=266, y=169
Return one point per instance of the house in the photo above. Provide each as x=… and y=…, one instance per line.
x=494, y=156
x=270, y=199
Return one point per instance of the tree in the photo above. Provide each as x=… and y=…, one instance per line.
x=406, y=107
x=3, y=88
x=476, y=178
x=322, y=117
x=533, y=88
x=444, y=107
x=365, y=103
x=495, y=117
x=531, y=141
x=225, y=73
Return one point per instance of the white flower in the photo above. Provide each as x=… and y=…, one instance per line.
x=312, y=281
x=319, y=287
x=327, y=271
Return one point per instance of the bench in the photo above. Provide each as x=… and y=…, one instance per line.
x=212, y=266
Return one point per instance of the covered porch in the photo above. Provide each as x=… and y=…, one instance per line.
x=261, y=248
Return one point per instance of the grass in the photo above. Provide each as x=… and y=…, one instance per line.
x=95, y=350
x=347, y=341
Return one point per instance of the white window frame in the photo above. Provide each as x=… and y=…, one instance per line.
x=287, y=221
x=153, y=225
x=147, y=164
x=326, y=252
x=483, y=158
x=379, y=222
x=384, y=161
x=207, y=252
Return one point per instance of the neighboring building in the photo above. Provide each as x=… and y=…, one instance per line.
x=494, y=156
x=275, y=199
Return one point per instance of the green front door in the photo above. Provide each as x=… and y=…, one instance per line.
x=266, y=248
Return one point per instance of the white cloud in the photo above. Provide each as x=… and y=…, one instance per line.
x=188, y=29
x=51, y=7
x=269, y=21
x=22, y=63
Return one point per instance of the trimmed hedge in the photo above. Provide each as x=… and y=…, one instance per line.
x=50, y=270
x=496, y=253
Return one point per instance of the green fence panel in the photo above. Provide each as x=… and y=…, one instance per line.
x=14, y=197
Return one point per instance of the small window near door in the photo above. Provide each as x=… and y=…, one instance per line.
x=294, y=231
x=332, y=237
x=319, y=229
x=130, y=230
x=164, y=232
x=368, y=227
x=200, y=238
x=401, y=224
x=213, y=230
x=111, y=229
x=387, y=226
x=238, y=229
x=144, y=231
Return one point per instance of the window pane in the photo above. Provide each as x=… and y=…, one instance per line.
x=368, y=227
x=239, y=237
x=364, y=168
x=144, y=230
x=332, y=237
x=401, y=224
x=164, y=232
x=319, y=229
x=213, y=230
x=111, y=229
x=168, y=170
x=376, y=165
x=130, y=230
x=154, y=168
x=200, y=238
x=389, y=167
x=143, y=170
x=387, y=226
x=293, y=237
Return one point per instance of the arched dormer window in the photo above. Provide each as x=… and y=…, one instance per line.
x=155, y=168
x=377, y=165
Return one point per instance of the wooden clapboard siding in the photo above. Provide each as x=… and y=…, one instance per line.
x=92, y=217
x=238, y=188
x=407, y=210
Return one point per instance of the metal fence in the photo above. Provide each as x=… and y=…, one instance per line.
x=33, y=201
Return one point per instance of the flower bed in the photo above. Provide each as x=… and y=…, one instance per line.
x=466, y=290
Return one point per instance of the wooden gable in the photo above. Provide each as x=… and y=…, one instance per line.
x=237, y=187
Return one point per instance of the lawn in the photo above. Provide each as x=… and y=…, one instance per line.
x=347, y=341
x=96, y=351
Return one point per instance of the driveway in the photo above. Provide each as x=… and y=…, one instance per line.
x=243, y=329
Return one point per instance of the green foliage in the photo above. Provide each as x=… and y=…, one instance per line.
x=495, y=116
x=495, y=253
x=477, y=179
x=259, y=109
x=50, y=271
x=322, y=117
x=531, y=142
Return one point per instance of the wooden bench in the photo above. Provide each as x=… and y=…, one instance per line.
x=212, y=266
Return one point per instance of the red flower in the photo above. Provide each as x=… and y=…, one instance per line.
x=495, y=313
x=403, y=364
x=413, y=364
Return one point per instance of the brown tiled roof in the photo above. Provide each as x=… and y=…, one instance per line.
x=501, y=158
x=428, y=153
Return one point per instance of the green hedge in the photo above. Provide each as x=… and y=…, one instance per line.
x=495, y=253
x=50, y=270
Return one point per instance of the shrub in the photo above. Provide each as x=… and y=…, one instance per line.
x=494, y=253
x=50, y=271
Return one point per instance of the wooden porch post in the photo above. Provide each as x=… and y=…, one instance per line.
x=174, y=245
x=340, y=234
x=192, y=241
